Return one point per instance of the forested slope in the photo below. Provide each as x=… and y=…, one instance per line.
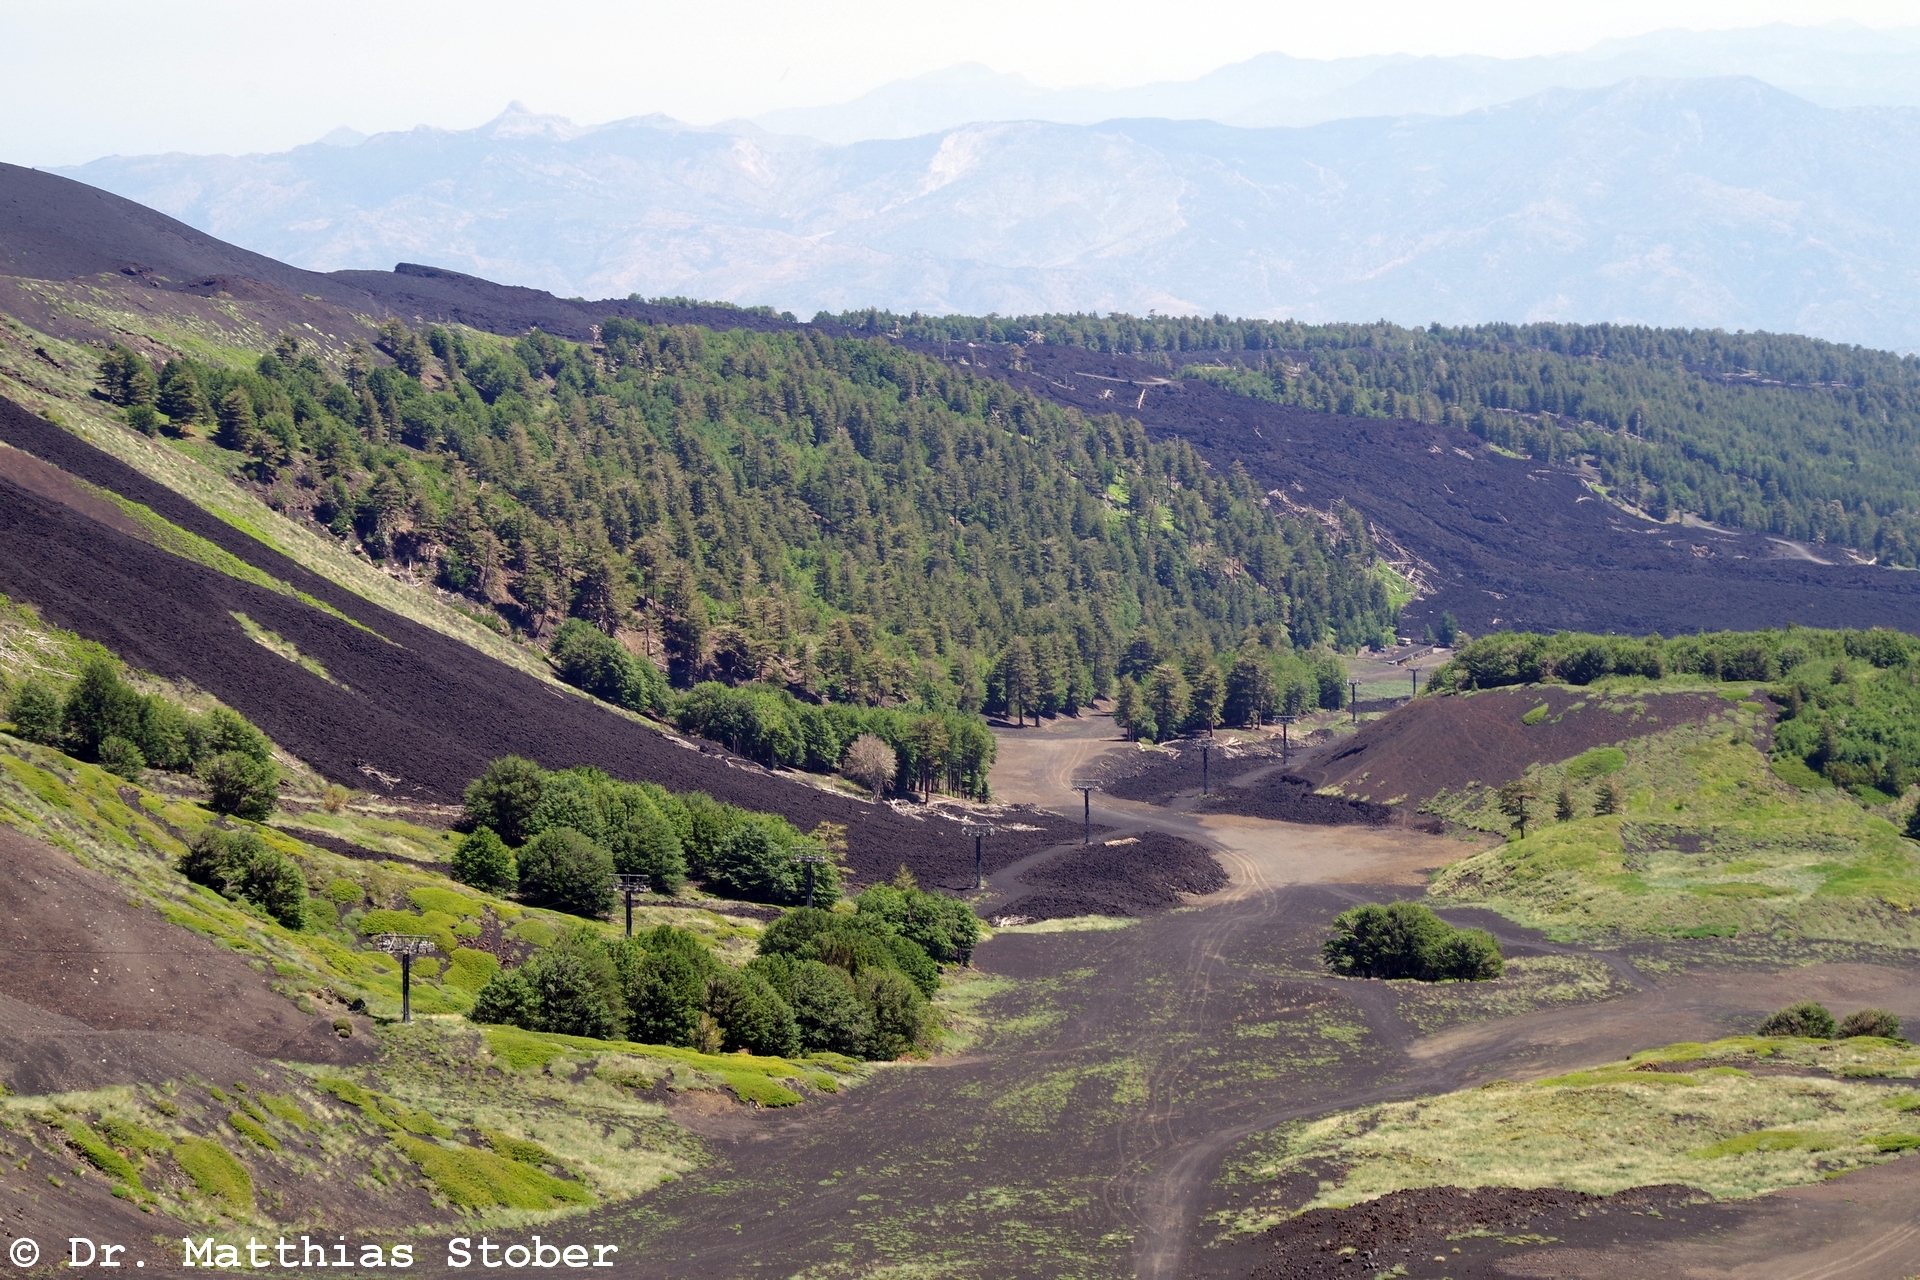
x=831, y=514
x=1777, y=433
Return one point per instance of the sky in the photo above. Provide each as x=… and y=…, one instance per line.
x=87, y=78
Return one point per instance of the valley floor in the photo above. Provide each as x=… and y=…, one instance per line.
x=1086, y=1131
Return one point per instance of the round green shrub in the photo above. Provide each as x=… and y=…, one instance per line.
x=503, y=797
x=1869, y=1022
x=563, y=870
x=120, y=756
x=242, y=785
x=35, y=712
x=484, y=861
x=1808, y=1018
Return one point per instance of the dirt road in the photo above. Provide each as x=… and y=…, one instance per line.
x=1083, y=1133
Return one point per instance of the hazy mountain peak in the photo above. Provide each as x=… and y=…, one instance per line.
x=519, y=121
x=344, y=136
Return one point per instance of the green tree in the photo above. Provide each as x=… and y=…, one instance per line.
x=1406, y=940
x=902, y=1019
x=684, y=623
x=1516, y=800
x=182, y=398
x=237, y=422
x=239, y=864
x=100, y=705
x=126, y=379
x=241, y=785
x=1209, y=692
x=752, y=1015
x=1883, y=1023
x=568, y=798
x=1019, y=676
x=1250, y=693
x=755, y=865
x=508, y=1000
x=1131, y=714
x=121, y=756
x=577, y=988
x=35, y=710
x=1167, y=698
x=827, y=1012
x=504, y=796
x=484, y=861
x=1563, y=810
x=565, y=871
x=665, y=997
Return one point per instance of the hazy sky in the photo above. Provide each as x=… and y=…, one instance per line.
x=90, y=79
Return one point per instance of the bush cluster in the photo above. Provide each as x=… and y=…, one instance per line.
x=556, y=837
x=825, y=981
x=933, y=750
x=242, y=866
x=1406, y=940
x=1162, y=694
x=103, y=719
x=1811, y=1019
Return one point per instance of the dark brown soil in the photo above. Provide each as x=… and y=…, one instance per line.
x=1436, y=743
x=106, y=969
x=1467, y=1234
x=1509, y=543
x=404, y=701
x=1129, y=876
x=53, y=228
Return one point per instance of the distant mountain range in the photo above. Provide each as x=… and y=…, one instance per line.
x=1840, y=65
x=1715, y=202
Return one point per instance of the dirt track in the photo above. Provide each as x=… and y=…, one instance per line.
x=1084, y=1137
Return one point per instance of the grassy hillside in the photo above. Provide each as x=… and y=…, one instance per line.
x=1705, y=840
x=1793, y=436
x=1734, y=1118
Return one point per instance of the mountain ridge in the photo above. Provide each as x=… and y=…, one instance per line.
x=1714, y=203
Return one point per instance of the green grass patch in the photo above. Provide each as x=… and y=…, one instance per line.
x=430, y=898
x=100, y=1155
x=475, y=1179
x=135, y=1137
x=758, y=1089
x=1601, y=1130
x=287, y=1110
x=470, y=970
x=1596, y=763
x=1536, y=715
x=218, y=1175
x=252, y=1130
x=520, y=1149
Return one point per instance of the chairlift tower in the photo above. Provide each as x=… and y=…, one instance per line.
x=626, y=887
x=1353, y=699
x=810, y=861
x=1206, y=750
x=979, y=833
x=1285, y=747
x=406, y=946
x=1086, y=787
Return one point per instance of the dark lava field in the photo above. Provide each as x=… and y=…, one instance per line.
x=1505, y=543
